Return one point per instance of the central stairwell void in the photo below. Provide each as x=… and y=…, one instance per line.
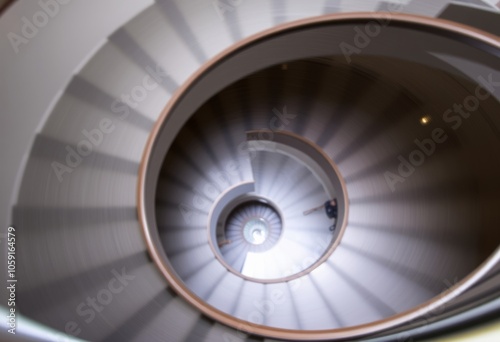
x=257, y=228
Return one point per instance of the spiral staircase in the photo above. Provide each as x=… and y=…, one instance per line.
x=160, y=160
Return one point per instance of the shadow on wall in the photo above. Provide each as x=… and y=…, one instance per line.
x=4, y=4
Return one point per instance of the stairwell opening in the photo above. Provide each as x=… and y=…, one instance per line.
x=199, y=279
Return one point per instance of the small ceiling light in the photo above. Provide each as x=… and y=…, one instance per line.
x=424, y=120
